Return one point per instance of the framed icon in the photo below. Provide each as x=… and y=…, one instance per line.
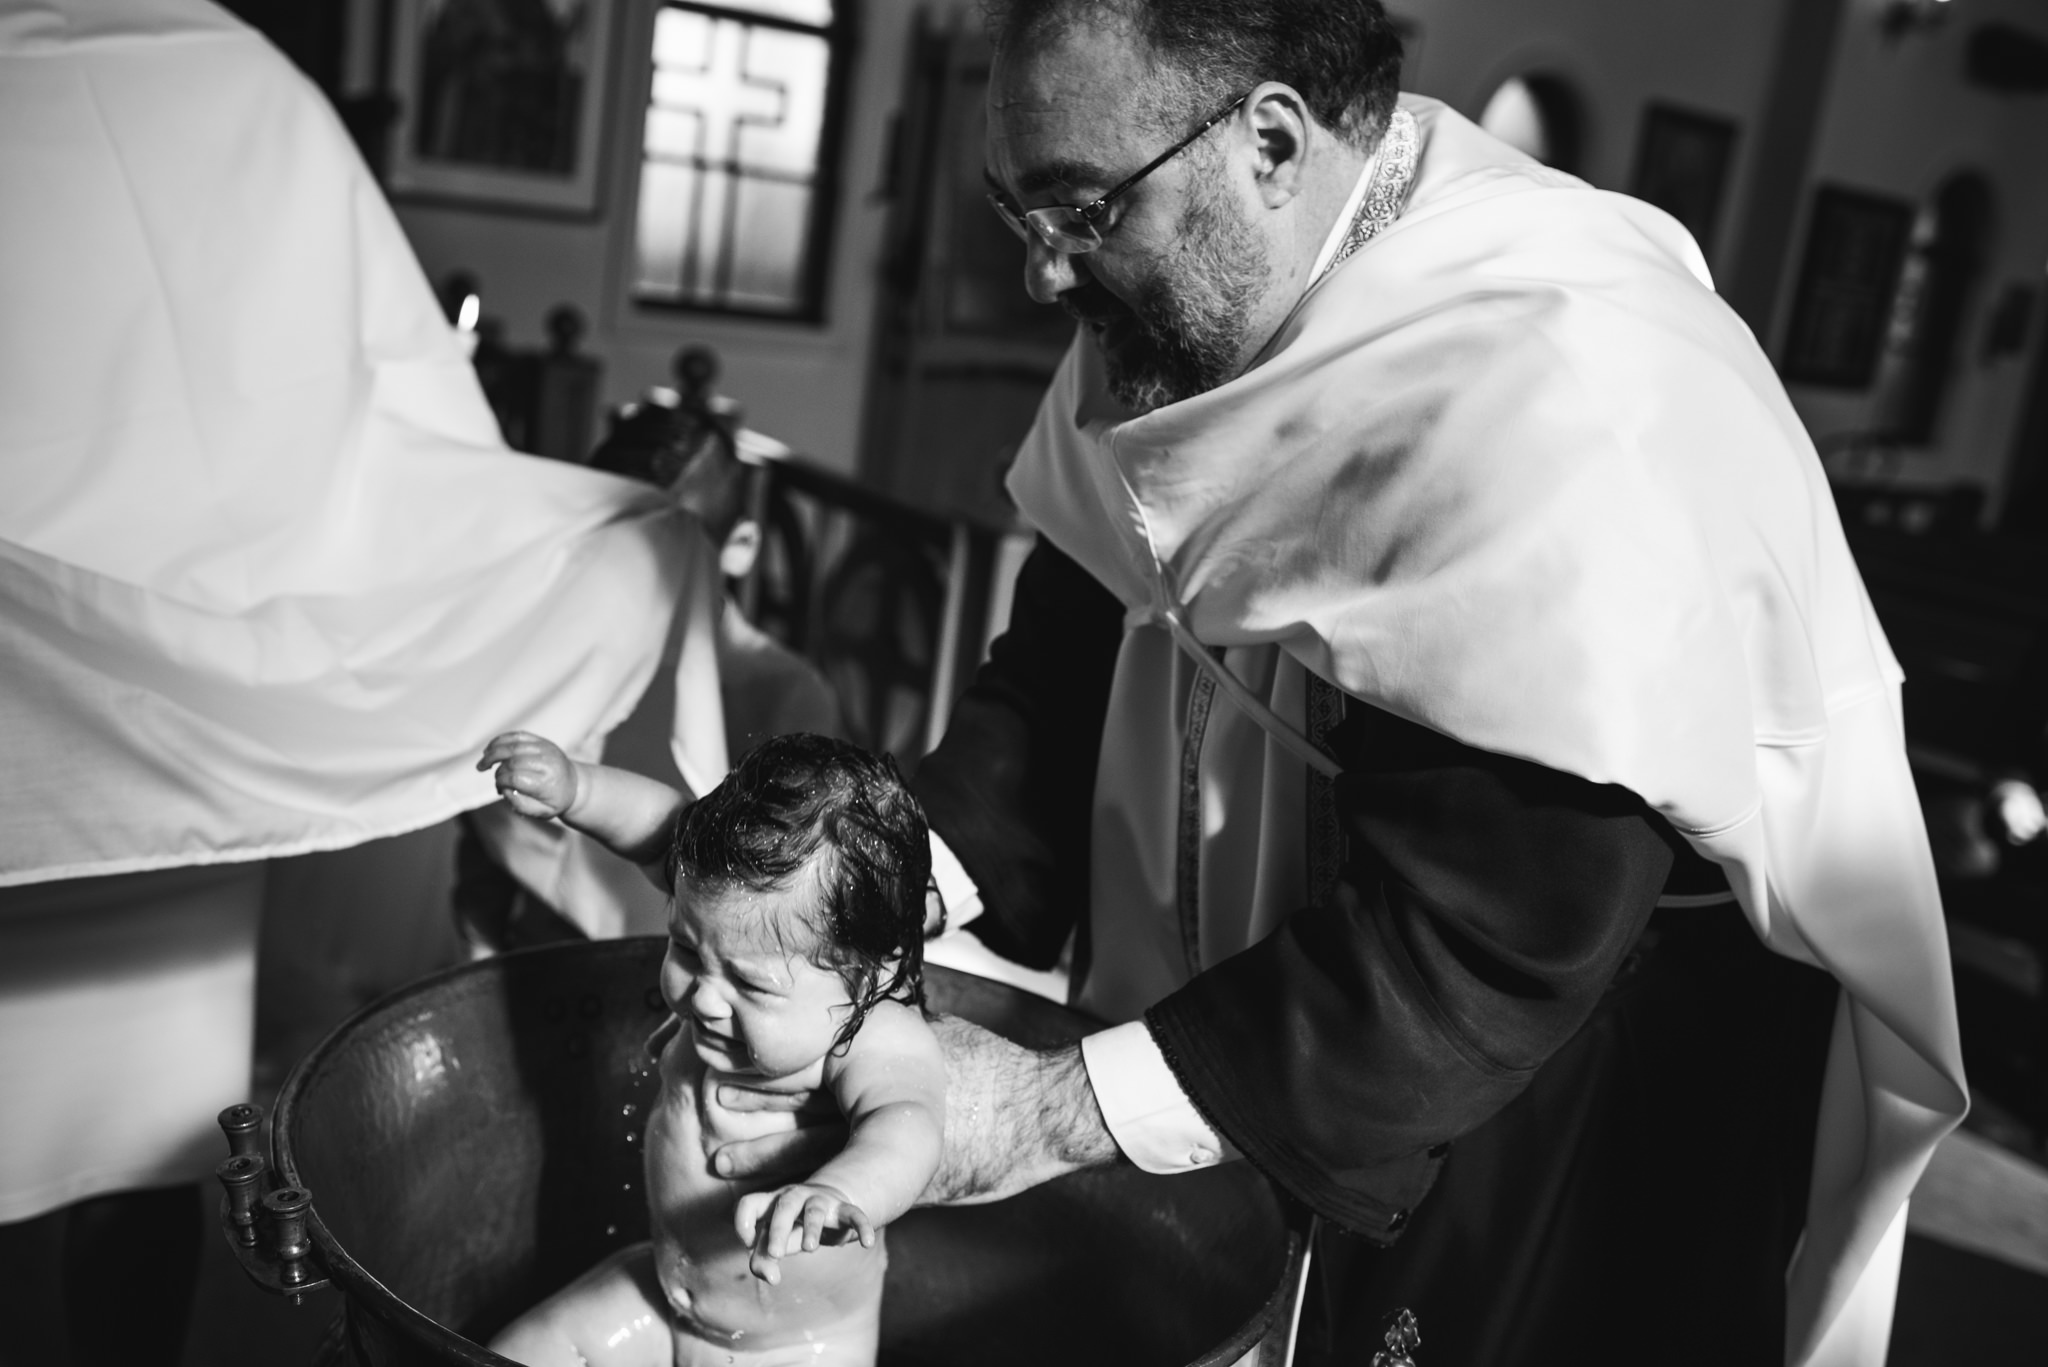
x=500, y=102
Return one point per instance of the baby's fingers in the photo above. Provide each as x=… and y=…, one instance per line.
x=817, y=1214
x=856, y=1219
x=762, y=1262
x=746, y=1216
x=780, y=1236
x=501, y=748
x=528, y=806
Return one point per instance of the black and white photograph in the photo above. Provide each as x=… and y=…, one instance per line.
x=980, y=683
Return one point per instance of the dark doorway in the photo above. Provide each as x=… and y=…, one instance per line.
x=2026, y=500
x=1946, y=256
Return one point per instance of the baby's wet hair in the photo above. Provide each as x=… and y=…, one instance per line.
x=799, y=798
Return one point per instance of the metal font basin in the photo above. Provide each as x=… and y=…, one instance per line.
x=472, y=1144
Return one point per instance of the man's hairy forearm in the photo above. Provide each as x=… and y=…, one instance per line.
x=1015, y=1117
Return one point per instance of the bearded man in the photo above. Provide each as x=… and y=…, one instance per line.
x=1444, y=712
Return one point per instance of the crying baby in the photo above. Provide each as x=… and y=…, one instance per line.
x=794, y=969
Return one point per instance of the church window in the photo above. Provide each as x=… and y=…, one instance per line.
x=736, y=170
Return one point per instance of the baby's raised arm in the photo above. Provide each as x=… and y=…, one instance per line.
x=629, y=814
x=891, y=1086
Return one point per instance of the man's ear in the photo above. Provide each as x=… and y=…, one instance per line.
x=1280, y=130
x=741, y=549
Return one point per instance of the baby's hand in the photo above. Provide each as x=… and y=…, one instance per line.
x=769, y=1220
x=533, y=773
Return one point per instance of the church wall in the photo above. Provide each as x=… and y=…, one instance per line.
x=1619, y=56
x=800, y=382
x=1899, y=120
x=805, y=383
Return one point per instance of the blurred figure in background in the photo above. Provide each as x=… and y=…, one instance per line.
x=767, y=688
x=524, y=881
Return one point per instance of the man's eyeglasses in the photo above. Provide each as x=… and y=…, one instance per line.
x=1071, y=228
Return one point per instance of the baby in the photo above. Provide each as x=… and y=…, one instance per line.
x=794, y=965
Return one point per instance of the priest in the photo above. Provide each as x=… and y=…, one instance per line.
x=1445, y=717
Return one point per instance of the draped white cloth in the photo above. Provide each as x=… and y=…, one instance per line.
x=1513, y=471
x=269, y=577
x=126, y=1011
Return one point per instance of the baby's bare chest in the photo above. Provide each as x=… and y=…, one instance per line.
x=699, y=1257
x=688, y=1200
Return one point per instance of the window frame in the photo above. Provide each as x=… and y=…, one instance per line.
x=814, y=270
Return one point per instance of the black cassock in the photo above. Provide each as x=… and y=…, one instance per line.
x=1556, y=1126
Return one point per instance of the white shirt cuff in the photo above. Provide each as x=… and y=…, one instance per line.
x=1149, y=1116
x=956, y=889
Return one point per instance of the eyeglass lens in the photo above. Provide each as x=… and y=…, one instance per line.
x=1060, y=227
x=1070, y=229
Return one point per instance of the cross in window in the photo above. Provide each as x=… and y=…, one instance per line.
x=723, y=94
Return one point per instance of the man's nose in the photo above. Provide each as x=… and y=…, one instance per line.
x=1048, y=274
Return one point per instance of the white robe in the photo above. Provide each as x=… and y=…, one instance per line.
x=269, y=577
x=1512, y=471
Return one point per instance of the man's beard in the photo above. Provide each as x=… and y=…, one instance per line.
x=1186, y=333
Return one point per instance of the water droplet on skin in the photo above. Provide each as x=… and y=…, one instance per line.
x=629, y=1110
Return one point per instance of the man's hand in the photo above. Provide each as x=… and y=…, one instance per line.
x=533, y=774
x=786, y=1156
x=1015, y=1117
x=795, y=1220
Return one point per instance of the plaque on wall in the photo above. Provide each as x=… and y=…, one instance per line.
x=1682, y=167
x=500, y=102
x=1854, y=249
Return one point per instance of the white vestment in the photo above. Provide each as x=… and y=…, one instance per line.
x=1513, y=472
x=269, y=577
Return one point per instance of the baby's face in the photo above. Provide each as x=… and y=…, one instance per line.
x=754, y=1006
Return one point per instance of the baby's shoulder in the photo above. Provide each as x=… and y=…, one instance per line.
x=893, y=1027
x=895, y=1048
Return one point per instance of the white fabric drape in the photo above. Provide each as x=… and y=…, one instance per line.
x=268, y=576
x=1513, y=472
x=126, y=1007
